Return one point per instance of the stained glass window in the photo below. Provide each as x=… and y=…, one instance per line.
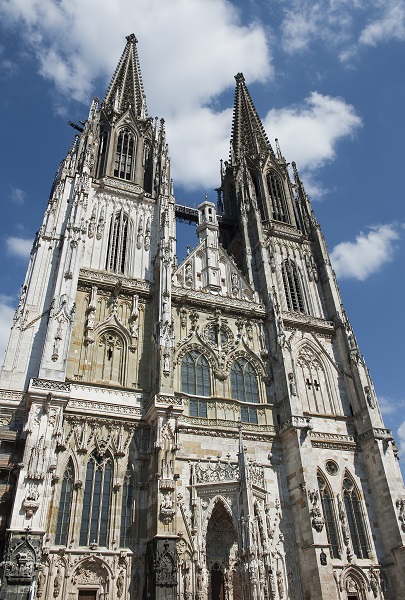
x=96, y=501
x=65, y=502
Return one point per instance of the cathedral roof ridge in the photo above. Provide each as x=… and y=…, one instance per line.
x=126, y=87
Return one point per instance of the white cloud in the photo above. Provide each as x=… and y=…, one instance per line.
x=309, y=133
x=389, y=25
x=6, y=318
x=389, y=406
x=18, y=247
x=367, y=254
x=343, y=26
x=18, y=195
x=189, y=53
x=401, y=437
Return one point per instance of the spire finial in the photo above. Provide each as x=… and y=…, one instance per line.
x=126, y=89
x=132, y=38
x=239, y=77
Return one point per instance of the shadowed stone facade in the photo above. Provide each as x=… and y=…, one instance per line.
x=202, y=431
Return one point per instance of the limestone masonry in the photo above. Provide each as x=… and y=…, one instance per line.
x=203, y=430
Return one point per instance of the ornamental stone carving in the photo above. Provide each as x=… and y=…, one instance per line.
x=316, y=513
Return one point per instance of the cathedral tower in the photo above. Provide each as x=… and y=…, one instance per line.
x=205, y=430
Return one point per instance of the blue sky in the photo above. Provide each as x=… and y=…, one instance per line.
x=327, y=78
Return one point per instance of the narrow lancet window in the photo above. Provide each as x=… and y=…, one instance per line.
x=277, y=198
x=292, y=286
x=117, y=243
x=96, y=501
x=329, y=516
x=124, y=155
x=244, y=381
x=355, y=519
x=65, y=503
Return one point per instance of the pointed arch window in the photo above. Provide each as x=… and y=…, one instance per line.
x=126, y=510
x=277, y=196
x=65, y=504
x=195, y=374
x=110, y=358
x=124, y=155
x=292, y=286
x=355, y=518
x=244, y=381
x=117, y=242
x=327, y=502
x=102, y=153
x=96, y=501
x=244, y=388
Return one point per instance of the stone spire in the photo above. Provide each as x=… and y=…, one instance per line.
x=126, y=87
x=248, y=134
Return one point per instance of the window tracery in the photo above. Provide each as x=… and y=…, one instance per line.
x=110, y=357
x=327, y=502
x=124, y=155
x=292, y=286
x=314, y=384
x=65, y=503
x=244, y=388
x=355, y=518
x=96, y=501
x=195, y=374
x=277, y=197
x=118, y=242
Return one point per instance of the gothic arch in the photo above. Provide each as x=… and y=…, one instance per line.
x=353, y=501
x=221, y=548
x=315, y=379
x=110, y=352
x=248, y=355
x=328, y=505
x=92, y=572
x=277, y=195
x=354, y=583
x=124, y=150
x=118, y=245
x=212, y=505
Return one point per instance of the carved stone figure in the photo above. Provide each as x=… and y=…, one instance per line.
x=120, y=584
x=57, y=583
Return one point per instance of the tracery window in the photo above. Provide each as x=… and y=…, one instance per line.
x=218, y=336
x=126, y=511
x=110, y=363
x=117, y=242
x=315, y=390
x=355, y=518
x=327, y=501
x=124, y=155
x=65, y=503
x=277, y=197
x=195, y=374
x=96, y=501
x=244, y=381
x=292, y=286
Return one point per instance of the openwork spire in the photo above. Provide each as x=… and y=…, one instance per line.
x=126, y=87
x=248, y=134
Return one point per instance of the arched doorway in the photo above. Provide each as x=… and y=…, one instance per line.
x=222, y=546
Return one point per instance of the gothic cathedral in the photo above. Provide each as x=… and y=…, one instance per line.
x=198, y=430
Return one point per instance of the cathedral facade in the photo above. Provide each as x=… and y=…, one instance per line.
x=197, y=430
